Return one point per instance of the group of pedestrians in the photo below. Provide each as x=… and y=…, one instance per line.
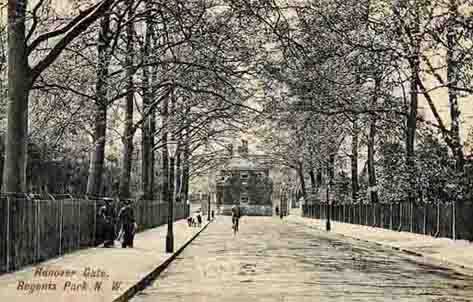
x=125, y=220
x=196, y=221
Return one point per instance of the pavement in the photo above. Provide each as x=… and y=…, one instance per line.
x=291, y=260
x=98, y=274
x=456, y=254
x=269, y=259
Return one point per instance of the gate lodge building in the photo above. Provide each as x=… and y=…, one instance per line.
x=246, y=183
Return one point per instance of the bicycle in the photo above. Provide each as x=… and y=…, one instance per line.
x=235, y=225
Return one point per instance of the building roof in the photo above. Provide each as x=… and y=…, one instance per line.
x=241, y=163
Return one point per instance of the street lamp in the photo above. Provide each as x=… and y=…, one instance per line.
x=172, y=149
x=208, y=207
x=208, y=185
x=208, y=196
x=282, y=201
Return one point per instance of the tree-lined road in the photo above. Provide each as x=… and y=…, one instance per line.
x=274, y=260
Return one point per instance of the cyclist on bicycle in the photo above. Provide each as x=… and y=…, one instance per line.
x=235, y=218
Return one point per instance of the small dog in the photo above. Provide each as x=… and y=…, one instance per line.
x=191, y=222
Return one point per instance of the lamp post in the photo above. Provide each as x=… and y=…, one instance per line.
x=208, y=207
x=327, y=225
x=208, y=198
x=172, y=149
x=282, y=202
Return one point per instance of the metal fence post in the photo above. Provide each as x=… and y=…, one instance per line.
x=79, y=222
x=61, y=205
x=400, y=217
x=360, y=208
x=381, y=218
x=94, y=236
x=38, y=229
x=425, y=219
x=375, y=218
x=454, y=235
x=8, y=235
x=411, y=213
x=438, y=219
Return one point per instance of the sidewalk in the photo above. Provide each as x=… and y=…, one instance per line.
x=456, y=254
x=96, y=274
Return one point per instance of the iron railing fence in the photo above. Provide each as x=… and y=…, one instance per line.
x=34, y=227
x=448, y=219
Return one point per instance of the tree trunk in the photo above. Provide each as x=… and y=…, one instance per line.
x=172, y=128
x=151, y=160
x=319, y=177
x=21, y=78
x=452, y=79
x=148, y=129
x=14, y=173
x=164, y=151
x=96, y=167
x=354, y=161
x=179, y=174
x=300, y=171
x=146, y=147
x=186, y=155
x=94, y=182
x=371, y=145
x=185, y=177
x=19, y=84
x=371, y=166
x=412, y=127
x=313, y=181
x=145, y=160
x=124, y=191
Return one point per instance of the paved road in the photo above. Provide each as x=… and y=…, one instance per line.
x=271, y=260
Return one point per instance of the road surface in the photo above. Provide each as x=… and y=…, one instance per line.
x=274, y=260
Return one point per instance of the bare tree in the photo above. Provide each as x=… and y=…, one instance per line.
x=22, y=76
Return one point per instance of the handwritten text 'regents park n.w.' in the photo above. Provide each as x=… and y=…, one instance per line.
x=48, y=279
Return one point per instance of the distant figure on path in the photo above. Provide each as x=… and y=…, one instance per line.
x=108, y=215
x=190, y=221
x=235, y=218
x=199, y=219
x=213, y=214
x=277, y=210
x=129, y=226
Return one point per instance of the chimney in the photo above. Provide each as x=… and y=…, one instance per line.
x=243, y=149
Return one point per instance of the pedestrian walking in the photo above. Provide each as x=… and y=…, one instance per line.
x=213, y=214
x=277, y=210
x=189, y=221
x=128, y=223
x=107, y=214
x=199, y=219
